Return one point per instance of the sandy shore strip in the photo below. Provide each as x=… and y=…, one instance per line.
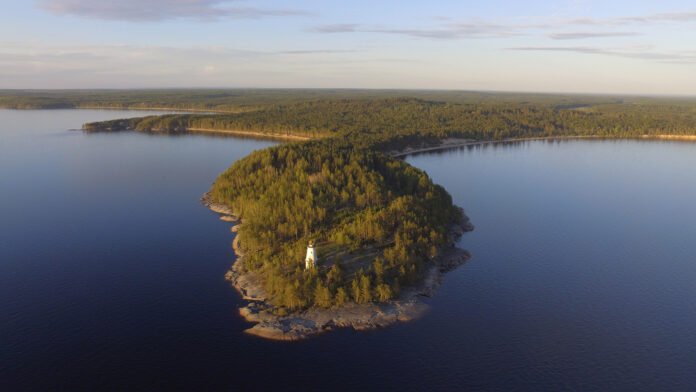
x=254, y=134
x=166, y=109
x=687, y=138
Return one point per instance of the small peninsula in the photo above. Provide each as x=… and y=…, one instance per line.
x=382, y=231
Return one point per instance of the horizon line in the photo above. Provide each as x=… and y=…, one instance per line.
x=491, y=91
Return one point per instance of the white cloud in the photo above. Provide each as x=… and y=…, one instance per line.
x=592, y=34
x=555, y=28
x=154, y=10
x=641, y=53
x=23, y=65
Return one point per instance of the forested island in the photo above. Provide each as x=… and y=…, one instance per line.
x=384, y=231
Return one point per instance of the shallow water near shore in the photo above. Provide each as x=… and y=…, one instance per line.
x=112, y=272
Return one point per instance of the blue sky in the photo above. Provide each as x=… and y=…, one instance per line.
x=635, y=47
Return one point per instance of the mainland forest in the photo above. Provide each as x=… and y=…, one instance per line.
x=393, y=123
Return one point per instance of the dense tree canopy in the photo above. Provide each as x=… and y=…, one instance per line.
x=399, y=122
x=382, y=214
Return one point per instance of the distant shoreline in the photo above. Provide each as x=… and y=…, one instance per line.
x=447, y=143
x=163, y=109
x=159, y=109
x=458, y=143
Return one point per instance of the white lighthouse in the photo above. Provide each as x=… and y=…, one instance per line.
x=311, y=259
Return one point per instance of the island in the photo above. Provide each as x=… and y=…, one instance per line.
x=333, y=228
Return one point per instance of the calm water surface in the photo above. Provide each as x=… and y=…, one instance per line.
x=111, y=272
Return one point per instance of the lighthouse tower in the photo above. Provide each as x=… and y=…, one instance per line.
x=311, y=259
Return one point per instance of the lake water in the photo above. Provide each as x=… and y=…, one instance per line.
x=583, y=274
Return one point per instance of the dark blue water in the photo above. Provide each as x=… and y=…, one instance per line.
x=111, y=272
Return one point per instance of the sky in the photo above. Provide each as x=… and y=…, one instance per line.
x=575, y=46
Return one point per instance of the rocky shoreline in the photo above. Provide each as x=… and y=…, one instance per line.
x=301, y=325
